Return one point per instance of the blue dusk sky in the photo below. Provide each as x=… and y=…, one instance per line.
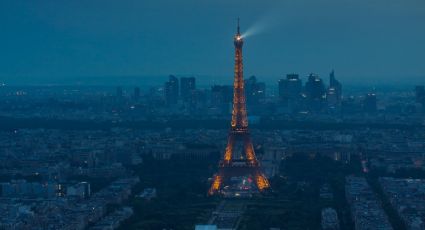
x=368, y=41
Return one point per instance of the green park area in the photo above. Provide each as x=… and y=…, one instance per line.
x=294, y=203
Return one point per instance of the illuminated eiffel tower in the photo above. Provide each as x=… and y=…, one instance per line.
x=239, y=139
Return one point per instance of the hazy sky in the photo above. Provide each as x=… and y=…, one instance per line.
x=367, y=40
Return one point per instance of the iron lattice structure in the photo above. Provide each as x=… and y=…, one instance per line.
x=239, y=134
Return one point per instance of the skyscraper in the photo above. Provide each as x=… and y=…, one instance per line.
x=315, y=92
x=290, y=88
x=187, y=87
x=334, y=92
x=255, y=91
x=171, y=90
x=370, y=103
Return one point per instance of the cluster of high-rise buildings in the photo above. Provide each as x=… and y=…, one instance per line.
x=182, y=97
x=175, y=90
x=185, y=90
x=291, y=91
x=314, y=95
x=293, y=95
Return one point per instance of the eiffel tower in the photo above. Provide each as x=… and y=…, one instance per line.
x=239, y=139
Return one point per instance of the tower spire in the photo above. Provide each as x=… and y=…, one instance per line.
x=238, y=27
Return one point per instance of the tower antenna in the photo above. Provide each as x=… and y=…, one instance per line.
x=238, y=26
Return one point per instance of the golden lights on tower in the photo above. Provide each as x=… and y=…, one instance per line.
x=239, y=131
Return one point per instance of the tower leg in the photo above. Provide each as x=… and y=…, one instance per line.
x=249, y=151
x=261, y=181
x=216, y=185
x=229, y=150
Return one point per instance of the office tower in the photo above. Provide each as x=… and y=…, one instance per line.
x=171, y=90
x=370, y=103
x=315, y=92
x=334, y=92
x=255, y=91
x=246, y=164
x=187, y=86
x=290, y=88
